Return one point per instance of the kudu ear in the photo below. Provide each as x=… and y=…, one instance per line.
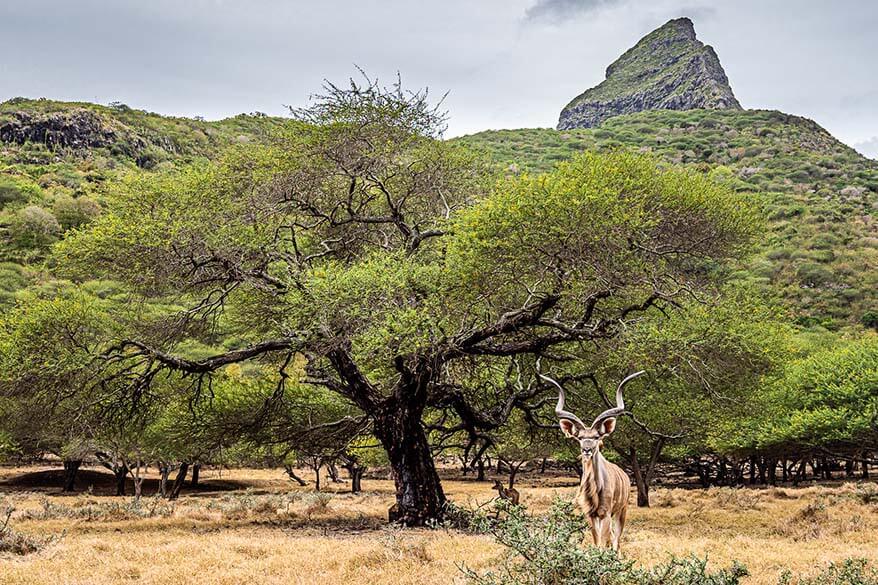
x=607, y=426
x=569, y=428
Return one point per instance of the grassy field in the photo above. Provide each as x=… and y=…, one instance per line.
x=256, y=526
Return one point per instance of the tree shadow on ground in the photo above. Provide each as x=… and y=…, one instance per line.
x=102, y=483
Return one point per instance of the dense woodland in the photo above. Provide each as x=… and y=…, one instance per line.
x=345, y=289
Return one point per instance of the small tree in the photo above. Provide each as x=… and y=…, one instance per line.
x=821, y=403
x=518, y=443
x=703, y=367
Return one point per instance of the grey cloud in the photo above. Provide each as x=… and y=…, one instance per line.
x=699, y=14
x=507, y=63
x=868, y=147
x=863, y=101
x=559, y=11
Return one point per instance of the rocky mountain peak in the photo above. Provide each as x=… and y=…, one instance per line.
x=668, y=69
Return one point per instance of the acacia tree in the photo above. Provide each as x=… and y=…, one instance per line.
x=60, y=397
x=42, y=369
x=385, y=257
x=286, y=423
x=820, y=408
x=518, y=443
x=704, y=362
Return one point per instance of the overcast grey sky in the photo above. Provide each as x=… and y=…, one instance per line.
x=506, y=63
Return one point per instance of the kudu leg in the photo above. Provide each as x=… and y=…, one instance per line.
x=595, y=525
x=607, y=532
x=601, y=530
x=616, y=532
x=619, y=522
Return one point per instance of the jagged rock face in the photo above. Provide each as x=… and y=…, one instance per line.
x=669, y=69
x=77, y=130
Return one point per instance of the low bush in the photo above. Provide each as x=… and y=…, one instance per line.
x=815, y=521
x=730, y=498
x=242, y=505
x=93, y=511
x=14, y=542
x=73, y=213
x=865, y=493
x=317, y=503
x=33, y=227
x=547, y=550
x=847, y=572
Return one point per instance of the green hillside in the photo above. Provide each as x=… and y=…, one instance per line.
x=59, y=160
x=820, y=196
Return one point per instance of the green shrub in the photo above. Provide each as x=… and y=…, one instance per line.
x=12, y=277
x=848, y=572
x=73, y=213
x=7, y=443
x=34, y=227
x=547, y=550
x=151, y=157
x=11, y=192
x=812, y=274
x=824, y=256
x=779, y=254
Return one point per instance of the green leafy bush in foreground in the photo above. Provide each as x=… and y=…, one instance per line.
x=546, y=550
x=847, y=572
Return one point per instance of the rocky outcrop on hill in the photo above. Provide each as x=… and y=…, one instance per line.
x=76, y=130
x=669, y=69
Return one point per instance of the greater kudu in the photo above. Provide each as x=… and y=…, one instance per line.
x=604, y=487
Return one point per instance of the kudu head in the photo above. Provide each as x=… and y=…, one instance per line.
x=590, y=437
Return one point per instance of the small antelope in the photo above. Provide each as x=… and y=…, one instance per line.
x=510, y=494
x=603, y=489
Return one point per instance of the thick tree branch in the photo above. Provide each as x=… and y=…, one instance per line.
x=213, y=363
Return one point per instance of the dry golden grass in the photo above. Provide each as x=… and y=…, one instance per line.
x=274, y=532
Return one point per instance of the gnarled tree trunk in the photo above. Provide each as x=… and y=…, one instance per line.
x=356, y=478
x=643, y=479
x=639, y=480
x=165, y=471
x=419, y=495
x=356, y=471
x=332, y=470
